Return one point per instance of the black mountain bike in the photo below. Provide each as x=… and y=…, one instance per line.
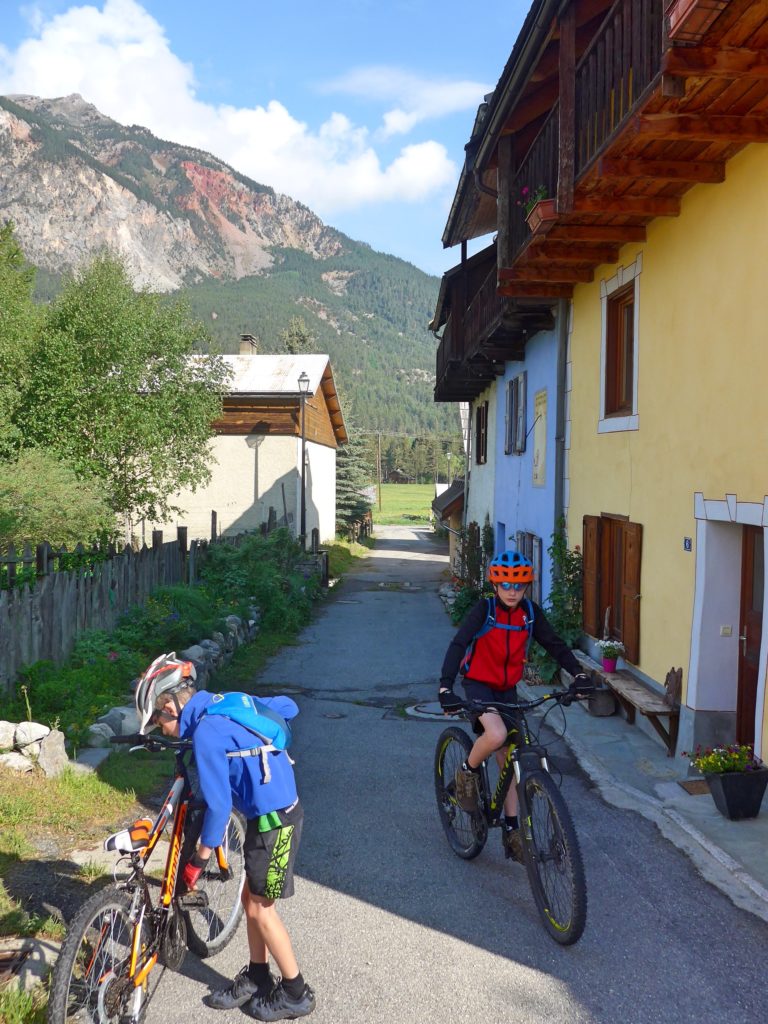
x=102, y=974
x=550, y=846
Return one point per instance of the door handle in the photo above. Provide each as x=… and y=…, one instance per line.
x=743, y=639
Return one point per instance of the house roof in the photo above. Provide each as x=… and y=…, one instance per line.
x=451, y=500
x=277, y=376
x=274, y=374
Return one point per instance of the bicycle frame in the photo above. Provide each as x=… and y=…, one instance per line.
x=175, y=807
x=520, y=757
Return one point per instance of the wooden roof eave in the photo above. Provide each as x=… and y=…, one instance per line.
x=333, y=404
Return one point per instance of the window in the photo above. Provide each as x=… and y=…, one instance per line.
x=529, y=545
x=619, y=352
x=619, y=358
x=514, y=443
x=481, y=433
x=611, y=590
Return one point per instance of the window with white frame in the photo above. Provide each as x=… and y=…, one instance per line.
x=619, y=350
x=514, y=443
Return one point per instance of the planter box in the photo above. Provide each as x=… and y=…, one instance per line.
x=738, y=795
x=542, y=216
x=689, y=20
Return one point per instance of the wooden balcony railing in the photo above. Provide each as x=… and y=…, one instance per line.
x=619, y=64
x=484, y=312
x=537, y=171
x=612, y=75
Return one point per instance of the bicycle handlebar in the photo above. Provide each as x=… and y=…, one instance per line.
x=564, y=697
x=138, y=740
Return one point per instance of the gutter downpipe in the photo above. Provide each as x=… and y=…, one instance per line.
x=563, y=312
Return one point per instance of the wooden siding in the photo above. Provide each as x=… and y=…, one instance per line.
x=279, y=416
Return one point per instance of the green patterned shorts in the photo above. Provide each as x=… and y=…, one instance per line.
x=271, y=844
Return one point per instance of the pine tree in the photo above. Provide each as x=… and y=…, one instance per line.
x=353, y=474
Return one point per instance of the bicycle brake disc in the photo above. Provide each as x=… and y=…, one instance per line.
x=173, y=946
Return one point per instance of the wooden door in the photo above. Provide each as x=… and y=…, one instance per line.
x=750, y=631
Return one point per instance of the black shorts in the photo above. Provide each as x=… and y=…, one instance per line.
x=270, y=855
x=481, y=691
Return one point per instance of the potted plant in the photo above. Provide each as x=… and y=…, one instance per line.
x=539, y=211
x=610, y=651
x=736, y=778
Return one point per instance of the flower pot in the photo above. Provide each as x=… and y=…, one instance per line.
x=542, y=216
x=738, y=795
x=609, y=664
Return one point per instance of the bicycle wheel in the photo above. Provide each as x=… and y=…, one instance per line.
x=213, y=924
x=89, y=983
x=553, y=859
x=465, y=832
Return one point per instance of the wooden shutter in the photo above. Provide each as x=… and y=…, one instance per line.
x=632, y=537
x=508, y=419
x=521, y=413
x=591, y=576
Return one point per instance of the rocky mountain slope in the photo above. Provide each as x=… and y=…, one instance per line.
x=249, y=258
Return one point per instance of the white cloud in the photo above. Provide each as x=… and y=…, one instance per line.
x=417, y=99
x=118, y=57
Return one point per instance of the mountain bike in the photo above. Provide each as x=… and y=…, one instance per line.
x=101, y=975
x=550, y=846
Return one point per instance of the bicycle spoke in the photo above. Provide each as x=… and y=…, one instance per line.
x=465, y=832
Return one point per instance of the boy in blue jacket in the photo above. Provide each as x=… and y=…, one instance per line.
x=263, y=788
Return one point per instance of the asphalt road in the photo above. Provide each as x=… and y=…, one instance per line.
x=391, y=928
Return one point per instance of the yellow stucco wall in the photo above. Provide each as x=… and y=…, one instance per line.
x=703, y=414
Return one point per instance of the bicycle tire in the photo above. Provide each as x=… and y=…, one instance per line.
x=211, y=928
x=466, y=833
x=89, y=982
x=553, y=859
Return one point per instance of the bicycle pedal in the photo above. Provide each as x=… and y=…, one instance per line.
x=193, y=899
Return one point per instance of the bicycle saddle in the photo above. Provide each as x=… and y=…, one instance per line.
x=130, y=840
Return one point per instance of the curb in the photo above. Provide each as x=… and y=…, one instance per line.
x=715, y=865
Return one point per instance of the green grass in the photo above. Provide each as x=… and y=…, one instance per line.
x=23, y=1007
x=402, y=504
x=343, y=554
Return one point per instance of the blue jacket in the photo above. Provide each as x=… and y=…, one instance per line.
x=235, y=781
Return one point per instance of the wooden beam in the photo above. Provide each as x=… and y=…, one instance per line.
x=662, y=170
x=567, y=112
x=702, y=127
x=715, y=62
x=505, y=205
x=535, y=290
x=620, y=233
x=549, y=271
x=628, y=206
x=565, y=254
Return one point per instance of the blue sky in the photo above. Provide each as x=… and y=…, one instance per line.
x=357, y=108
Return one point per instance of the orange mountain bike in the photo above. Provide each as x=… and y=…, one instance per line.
x=124, y=930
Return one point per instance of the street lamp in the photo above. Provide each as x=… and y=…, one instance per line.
x=303, y=392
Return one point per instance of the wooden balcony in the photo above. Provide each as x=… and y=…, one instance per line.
x=480, y=337
x=666, y=92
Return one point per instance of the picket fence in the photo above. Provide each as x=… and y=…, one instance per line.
x=43, y=620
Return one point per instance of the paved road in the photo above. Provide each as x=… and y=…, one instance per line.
x=391, y=928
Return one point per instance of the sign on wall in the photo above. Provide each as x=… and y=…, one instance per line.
x=540, y=438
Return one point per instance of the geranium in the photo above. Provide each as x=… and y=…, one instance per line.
x=529, y=197
x=738, y=757
x=610, y=648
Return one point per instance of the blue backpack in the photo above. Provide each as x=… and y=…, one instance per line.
x=258, y=718
x=491, y=623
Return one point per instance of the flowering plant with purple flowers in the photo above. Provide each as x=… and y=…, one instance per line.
x=529, y=197
x=738, y=757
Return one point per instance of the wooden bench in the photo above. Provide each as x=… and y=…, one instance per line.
x=661, y=709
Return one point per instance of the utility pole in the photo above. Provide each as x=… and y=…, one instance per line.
x=378, y=463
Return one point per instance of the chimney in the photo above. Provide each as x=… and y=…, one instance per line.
x=247, y=345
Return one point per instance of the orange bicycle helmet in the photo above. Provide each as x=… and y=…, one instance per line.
x=510, y=567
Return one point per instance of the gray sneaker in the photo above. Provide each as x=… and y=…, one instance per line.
x=467, y=788
x=512, y=841
x=239, y=992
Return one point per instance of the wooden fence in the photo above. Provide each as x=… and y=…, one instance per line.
x=43, y=620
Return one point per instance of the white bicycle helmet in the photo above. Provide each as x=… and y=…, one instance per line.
x=166, y=674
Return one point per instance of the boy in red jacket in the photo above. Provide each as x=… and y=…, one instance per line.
x=493, y=670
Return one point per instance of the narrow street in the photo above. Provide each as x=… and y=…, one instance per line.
x=392, y=928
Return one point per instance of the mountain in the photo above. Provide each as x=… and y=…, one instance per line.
x=247, y=258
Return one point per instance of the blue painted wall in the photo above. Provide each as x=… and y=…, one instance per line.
x=518, y=505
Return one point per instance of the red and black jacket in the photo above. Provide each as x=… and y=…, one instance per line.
x=499, y=655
